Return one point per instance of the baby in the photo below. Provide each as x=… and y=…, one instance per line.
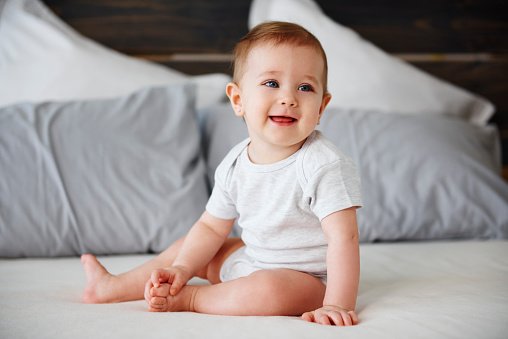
x=293, y=193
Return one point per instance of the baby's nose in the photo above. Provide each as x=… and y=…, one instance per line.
x=288, y=100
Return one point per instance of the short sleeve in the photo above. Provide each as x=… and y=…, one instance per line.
x=334, y=187
x=220, y=204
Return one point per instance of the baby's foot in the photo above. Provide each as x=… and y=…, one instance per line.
x=99, y=287
x=162, y=301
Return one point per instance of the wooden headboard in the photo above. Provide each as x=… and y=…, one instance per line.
x=462, y=41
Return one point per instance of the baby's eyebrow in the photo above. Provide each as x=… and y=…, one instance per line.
x=309, y=77
x=268, y=73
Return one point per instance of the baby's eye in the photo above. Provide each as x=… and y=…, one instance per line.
x=271, y=83
x=305, y=88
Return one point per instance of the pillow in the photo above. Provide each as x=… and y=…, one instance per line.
x=361, y=76
x=423, y=177
x=41, y=58
x=107, y=176
x=220, y=131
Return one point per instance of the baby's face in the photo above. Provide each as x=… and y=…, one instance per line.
x=282, y=93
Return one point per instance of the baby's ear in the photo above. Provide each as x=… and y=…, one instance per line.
x=235, y=98
x=326, y=100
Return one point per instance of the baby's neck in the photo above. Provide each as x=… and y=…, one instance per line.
x=263, y=155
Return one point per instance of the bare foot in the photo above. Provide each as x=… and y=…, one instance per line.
x=162, y=301
x=99, y=288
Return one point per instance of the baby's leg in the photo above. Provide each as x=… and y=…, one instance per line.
x=266, y=292
x=103, y=287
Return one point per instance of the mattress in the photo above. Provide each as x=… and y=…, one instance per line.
x=407, y=290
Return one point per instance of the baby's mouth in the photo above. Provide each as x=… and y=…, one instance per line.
x=282, y=119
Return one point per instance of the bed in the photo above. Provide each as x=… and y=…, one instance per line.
x=113, y=120
x=418, y=290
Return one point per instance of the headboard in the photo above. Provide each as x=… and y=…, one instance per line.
x=461, y=41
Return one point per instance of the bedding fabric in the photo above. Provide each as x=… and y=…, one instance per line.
x=64, y=65
x=422, y=177
x=407, y=290
x=362, y=76
x=104, y=176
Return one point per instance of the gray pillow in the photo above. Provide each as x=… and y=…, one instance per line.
x=423, y=177
x=106, y=176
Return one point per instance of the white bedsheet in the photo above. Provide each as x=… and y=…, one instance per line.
x=407, y=290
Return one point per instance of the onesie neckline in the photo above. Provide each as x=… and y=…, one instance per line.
x=265, y=168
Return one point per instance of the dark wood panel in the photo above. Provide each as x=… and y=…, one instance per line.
x=195, y=68
x=158, y=27
x=172, y=26
x=450, y=26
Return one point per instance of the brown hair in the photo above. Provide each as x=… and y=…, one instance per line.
x=275, y=32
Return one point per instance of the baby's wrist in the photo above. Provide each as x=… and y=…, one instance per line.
x=183, y=268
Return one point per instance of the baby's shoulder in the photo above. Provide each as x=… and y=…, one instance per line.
x=225, y=167
x=317, y=154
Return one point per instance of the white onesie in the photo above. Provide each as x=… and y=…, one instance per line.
x=280, y=206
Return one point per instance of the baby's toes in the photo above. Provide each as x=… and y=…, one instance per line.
x=158, y=301
x=158, y=304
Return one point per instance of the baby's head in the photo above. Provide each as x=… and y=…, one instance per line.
x=275, y=33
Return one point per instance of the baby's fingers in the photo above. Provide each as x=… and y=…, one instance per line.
x=339, y=319
x=154, y=278
x=344, y=318
x=354, y=317
x=148, y=287
x=308, y=316
x=331, y=317
x=177, y=285
x=323, y=319
x=159, y=276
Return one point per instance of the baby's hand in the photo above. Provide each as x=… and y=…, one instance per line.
x=331, y=315
x=175, y=276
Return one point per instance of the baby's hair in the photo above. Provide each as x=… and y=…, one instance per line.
x=276, y=33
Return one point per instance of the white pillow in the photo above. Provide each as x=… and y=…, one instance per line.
x=362, y=76
x=42, y=58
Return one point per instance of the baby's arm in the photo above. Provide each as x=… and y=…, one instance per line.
x=343, y=262
x=203, y=241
